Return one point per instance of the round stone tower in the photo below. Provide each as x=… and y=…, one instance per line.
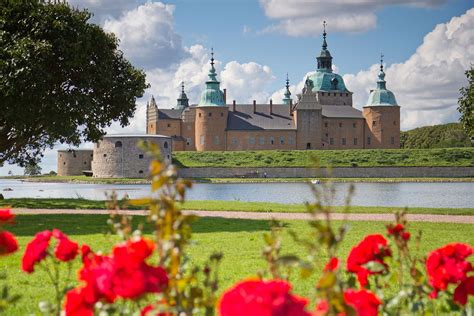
x=382, y=116
x=211, y=115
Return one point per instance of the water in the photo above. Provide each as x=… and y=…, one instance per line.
x=446, y=195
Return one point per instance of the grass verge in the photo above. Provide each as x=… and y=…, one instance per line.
x=239, y=240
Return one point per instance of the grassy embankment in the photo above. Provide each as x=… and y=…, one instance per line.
x=224, y=206
x=328, y=158
x=239, y=240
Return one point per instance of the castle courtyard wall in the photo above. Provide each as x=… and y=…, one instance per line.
x=261, y=140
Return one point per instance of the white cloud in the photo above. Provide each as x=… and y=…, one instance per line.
x=103, y=9
x=147, y=35
x=427, y=84
x=303, y=17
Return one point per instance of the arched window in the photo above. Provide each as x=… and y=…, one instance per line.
x=118, y=144
x=140, y=171
x=165, y=145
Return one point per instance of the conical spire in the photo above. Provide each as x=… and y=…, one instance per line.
x=287, y=98
x=381, y=96
x=183, y=101
x=212, y=95
x=152, y=102
x=325, y=58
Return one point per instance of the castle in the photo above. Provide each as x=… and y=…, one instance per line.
x=321, y=118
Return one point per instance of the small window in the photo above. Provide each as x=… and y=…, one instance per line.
x=331, y=141
x=140, y=171
x=290, y=140
x=92, y=155
x=394, y=122
x=64, y=163
x=392, y=140
x=199, y=114
x=261, y=140
x=60, y=155
x=98, y=144
x=334, y=93
x=165, y=145
x=354, y=125
x=216, y=140
x=202, y=140
x=327, y=135
x=169, y=125
x=222, y=114
x=140, y=156
x=168, y=157
x=252, y=140
x=234, y=141
x=118, y=144
x=355, y=141
x=210, y=113
x=347, y=94
x=323, y=94
x=344, y=141
x=74, y=155
x=308, y=145
x=85, y=162
x=272, y=140
x=105, y=155
x=374, y=123
x=282, y=140
x=340, y=95
x=326, y=124
x=151, y=126
x=340, y=124
x=188, y=141
x=368, y=140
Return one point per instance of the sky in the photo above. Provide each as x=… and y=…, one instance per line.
x=427, y=46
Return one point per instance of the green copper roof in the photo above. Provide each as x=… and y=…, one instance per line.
x=287, y=98
x=327, y=81
x=381, y=96
x=182, y=101
x=212, y=96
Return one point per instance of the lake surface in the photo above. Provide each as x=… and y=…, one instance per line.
x=448, y=195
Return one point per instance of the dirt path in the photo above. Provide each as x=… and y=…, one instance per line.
x=461, y=219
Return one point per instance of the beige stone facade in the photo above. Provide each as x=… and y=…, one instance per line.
x=74, y=162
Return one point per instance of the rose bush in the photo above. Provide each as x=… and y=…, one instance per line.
x=154, y=276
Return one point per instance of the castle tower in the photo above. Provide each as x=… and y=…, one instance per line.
x=182, y=101
x=382, y=116
x=211, y=115
x=287, y=98
x=151, y=116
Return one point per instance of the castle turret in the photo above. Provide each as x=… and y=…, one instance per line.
x=382, y=116
x=211, y=115
x=151, y=116
x=287, y=98
x=182, y=101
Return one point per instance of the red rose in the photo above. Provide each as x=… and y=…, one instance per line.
x=398, y=230
x=80, y=302
x=364, y=302
x=332, y=265
x=372, y=248
x=8, y=243
x=6, y=216
x=36, y=250
x=66, y=249
x=263, y=298
x=448, y=265
x=405, y=236
x=463, y=290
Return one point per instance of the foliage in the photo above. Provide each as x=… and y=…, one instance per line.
x=437, y=136
x=32, y=169
x=157, y=277
x=466, y=104
x=62, y=79
x=327, y=158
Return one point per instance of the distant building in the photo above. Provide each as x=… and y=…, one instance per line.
x=321, y=118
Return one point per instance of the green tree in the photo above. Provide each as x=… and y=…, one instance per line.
x=465, y=104
x=32, y=169
x=62, y=79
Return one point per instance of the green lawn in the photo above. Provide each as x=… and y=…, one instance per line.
x=240, y=241
x=223, y=206
x=333, y=158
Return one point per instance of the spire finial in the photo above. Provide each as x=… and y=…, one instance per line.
x=325, y=45
x=212, y=56
x=287, y=81
x=381, y=61
x=182, y=86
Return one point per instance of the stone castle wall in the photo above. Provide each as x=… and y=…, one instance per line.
x=73, y=162
x=119, y=156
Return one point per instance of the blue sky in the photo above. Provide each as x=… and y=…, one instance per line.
x=428, y=44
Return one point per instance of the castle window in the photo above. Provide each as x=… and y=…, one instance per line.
x=118, y=144
x=323, y=94
x=334, y=93
x=261, y=140
x=188, y=141
x=140, y=156
x=216, y=140
x=151, y=126
x=340, y=124
x=326, y=124
x=85, y=162
x=272, y=140
x=210, y=113
x=368, y=140
x=202, y=140
x=282, y=140
x=169, y=125
x=64, y=163
x=199, y=114
x=327, y=135
x=392, y=140
x=290, y=140
x=74, y=155
x=92, y=155
x=168, y=157
x=344, y=141
x=140, y=171
x=234, y=141
x=354, y=125
x=165, y=145
x=340, y=94
x=105, y=155
x=374, y=123
x=222, y=114
x=331, y=141
x=355, y=141
x=347, y=94
x=394, y=122
x=252, y=140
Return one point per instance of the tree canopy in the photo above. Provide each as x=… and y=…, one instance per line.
x=437, y=136
x=466, y=104
x=62, y=79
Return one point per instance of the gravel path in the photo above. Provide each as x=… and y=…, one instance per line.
x=461, y=219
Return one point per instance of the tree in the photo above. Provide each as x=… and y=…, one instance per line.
x=32, y=169
x=465, y=104
x=62, y=79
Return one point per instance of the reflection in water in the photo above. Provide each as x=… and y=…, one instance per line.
x=449, y=195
